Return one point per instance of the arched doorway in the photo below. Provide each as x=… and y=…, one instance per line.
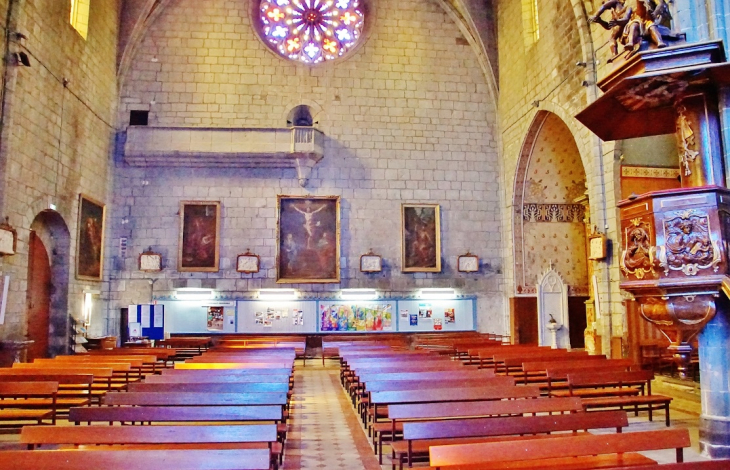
x=549, y=229
x=48, y=279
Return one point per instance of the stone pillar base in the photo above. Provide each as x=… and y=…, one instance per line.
x=715, y=437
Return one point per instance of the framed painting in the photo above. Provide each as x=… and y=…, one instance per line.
x=90, y=240
x=308, y=239
x=198, y=248
x=421, y=238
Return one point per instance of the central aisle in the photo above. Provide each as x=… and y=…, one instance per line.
x=324, y=430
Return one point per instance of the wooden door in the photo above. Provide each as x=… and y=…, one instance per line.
x=524, y=320
x=39, y=297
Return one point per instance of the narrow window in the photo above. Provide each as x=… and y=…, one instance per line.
x=80, y=16
x=530, y=22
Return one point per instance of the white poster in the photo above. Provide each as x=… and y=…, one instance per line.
x=132, y=315
x=4, y=302
x=159, y=317
x=145, y=316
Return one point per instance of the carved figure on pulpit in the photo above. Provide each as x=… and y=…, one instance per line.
x=689, y=246
x=620, y=16
x=631, y=23
x=686, y=140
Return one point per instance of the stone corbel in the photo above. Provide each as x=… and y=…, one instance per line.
x=305, y=162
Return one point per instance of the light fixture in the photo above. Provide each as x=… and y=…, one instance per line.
x=277, y=294
x=437, y=293
x=358, y=294
x=21, y=58
x=193, y=293
x=87, y=308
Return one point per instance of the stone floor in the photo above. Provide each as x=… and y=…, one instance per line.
x=325, y=432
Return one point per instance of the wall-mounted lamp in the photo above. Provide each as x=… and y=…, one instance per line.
x=358, y=294
x=193, y=293
x=20, y=58
x=277, y=294
x=437, y=293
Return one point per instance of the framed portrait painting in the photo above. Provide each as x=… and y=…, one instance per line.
x=90, y=240
x=308, y=239
x=421, y=238
x=199, y=236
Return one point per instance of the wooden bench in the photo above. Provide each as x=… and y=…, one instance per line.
x=599, y=381
x=436, y=396
x=179, y=414
x=139, y=364
x=102, y=376
x=75, y=380
x=249, y=436
x=427, y=384
x=16, y=404
x=215, y=377
x=397, y=414
x=120, y=371
x=211, y=387
x=536, y=371
x=556, y=453
x=419, y=436
x=262, y=368
x=196, y=399
x=194, y=459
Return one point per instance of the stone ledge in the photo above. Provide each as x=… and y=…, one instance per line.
x=300, y=148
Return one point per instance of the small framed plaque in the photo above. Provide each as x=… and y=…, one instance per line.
x=248, y=263
x=149, y=261
x=371, y=263
x=8, y=238
x=468, y=263
x=597, y=246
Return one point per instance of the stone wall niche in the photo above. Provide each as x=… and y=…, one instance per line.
x=552, y=310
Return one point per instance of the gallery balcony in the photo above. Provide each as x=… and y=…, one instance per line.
x=296, y=147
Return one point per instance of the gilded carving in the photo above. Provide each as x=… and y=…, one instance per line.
x=636, y=258
x=689, y=247
x=686, y=140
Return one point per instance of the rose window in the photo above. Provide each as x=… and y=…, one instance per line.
x=311, y=31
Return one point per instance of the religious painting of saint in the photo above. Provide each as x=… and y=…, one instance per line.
x=199, y=236
x=308, y=243
x=90, y=242
x=421, y=238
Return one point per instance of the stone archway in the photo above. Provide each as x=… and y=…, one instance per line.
x=52, y=234
x=548, y=224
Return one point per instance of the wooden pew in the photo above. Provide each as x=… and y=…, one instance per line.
x=436, y=396
x=419, y=436
x=249, y=436
x=20, y=401
x=215, y=459
x=196, y=399
x=397, y=414
x=703, y=465
x=176, y=414
x=76, y=380
x=210, y=387
x=263, y=368
x=120, y=371
x=212, y=378
x=146, y=364
x=598, y=381
x=102, y=376
x=558, y=452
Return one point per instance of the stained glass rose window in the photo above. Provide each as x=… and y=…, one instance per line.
x=311, y=31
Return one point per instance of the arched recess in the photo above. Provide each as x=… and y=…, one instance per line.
x=49, y=228
x=548, y=223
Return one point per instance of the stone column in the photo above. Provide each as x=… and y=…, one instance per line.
x=715, y=383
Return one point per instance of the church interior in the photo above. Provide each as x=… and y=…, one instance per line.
x=197, y=198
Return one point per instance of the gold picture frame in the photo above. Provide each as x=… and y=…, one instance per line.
x=308, y=239
x=90, y=239
x=199, y=238
x=420, y=238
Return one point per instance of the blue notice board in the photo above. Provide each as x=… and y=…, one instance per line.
x=151, y=317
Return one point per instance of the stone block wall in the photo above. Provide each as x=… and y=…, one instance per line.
x=543, y=75
x=56, y=138
x=407, y=118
